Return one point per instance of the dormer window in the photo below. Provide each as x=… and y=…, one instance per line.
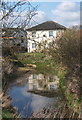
x=50, y=33
x=33, y=34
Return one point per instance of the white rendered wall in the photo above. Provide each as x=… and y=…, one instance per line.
x=39, y=37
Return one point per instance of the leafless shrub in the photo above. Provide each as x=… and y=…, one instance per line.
x=66, y=49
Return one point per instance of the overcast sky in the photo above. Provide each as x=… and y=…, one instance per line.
x=65, y=13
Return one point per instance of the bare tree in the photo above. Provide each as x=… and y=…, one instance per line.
x=15, y=17
x=17, y=14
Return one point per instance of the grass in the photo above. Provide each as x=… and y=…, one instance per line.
x=30, y=58
x=39, y=59
x=45, y=65
x=7, y=114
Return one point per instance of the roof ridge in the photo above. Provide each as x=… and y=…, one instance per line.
x=47, y=25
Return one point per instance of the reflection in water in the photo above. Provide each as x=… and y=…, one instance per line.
x=42, y=82
x=27, y=102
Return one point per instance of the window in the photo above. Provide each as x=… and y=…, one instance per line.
x=33, y=34
x=50, y=33
x=33, y=45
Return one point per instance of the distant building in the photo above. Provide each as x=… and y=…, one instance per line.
x=46, y=31
x=30, y=38
x=15, y=36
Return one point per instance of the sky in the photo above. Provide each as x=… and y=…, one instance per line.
x=55, y=0
x=66, y=13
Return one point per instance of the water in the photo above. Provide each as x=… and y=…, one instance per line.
x=23, y=96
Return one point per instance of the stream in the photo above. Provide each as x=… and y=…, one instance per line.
x=31, y=93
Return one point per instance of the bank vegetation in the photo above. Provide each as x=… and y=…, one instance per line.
x=61, y=57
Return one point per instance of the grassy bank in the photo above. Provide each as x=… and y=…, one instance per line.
x=6, y=114
x=44, y=64
x=9, y=113
x=25, y=62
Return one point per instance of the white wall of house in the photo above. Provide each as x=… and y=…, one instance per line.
x=35, y=37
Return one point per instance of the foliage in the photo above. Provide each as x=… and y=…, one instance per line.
x=65, y=54
x=66, y=50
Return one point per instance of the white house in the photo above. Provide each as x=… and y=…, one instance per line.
x=46, y=31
